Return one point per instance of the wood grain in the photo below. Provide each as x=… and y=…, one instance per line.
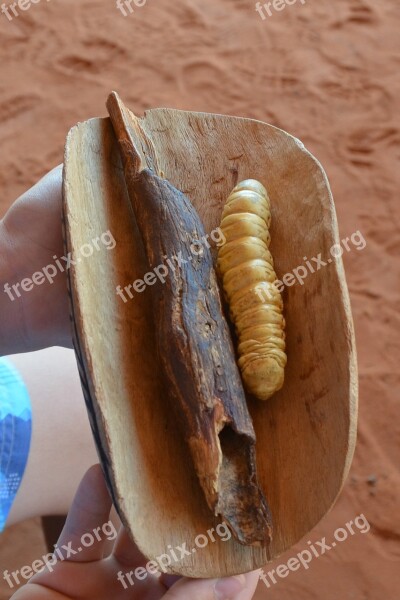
x=306, y=433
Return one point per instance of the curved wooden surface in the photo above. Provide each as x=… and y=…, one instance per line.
x=306, y=432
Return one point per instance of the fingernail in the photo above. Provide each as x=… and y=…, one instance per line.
x=228, y=588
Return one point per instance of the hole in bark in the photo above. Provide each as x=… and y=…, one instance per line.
x=234, y=463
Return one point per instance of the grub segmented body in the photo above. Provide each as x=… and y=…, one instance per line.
x=247, y=272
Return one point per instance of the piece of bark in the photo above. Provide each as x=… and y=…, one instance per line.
x=194, y=346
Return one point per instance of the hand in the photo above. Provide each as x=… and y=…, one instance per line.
x=30, y=238
x=91, y=576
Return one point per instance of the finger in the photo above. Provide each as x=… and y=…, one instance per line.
x=42, y=194
x=47, y=187
x=126, y=552
x=115, y=526
x=169, y=580
x=83, y=538
x=240, y=587
x=250, y=587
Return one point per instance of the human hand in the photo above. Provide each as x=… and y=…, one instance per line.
x=90, y=575
x=30, y=238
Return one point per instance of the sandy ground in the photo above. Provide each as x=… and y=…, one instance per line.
x=324, y=71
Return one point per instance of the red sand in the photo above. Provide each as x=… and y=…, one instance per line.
x=327, y=72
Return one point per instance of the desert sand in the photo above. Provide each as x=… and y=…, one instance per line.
x=326, y=72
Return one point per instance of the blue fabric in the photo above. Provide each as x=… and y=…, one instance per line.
x=15, y=435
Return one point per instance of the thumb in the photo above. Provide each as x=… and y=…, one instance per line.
x=240, y=587
x=81, y=540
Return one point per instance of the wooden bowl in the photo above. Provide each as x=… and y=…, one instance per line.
x=306, y=432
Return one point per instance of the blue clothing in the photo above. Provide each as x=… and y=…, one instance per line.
x=15, y=435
